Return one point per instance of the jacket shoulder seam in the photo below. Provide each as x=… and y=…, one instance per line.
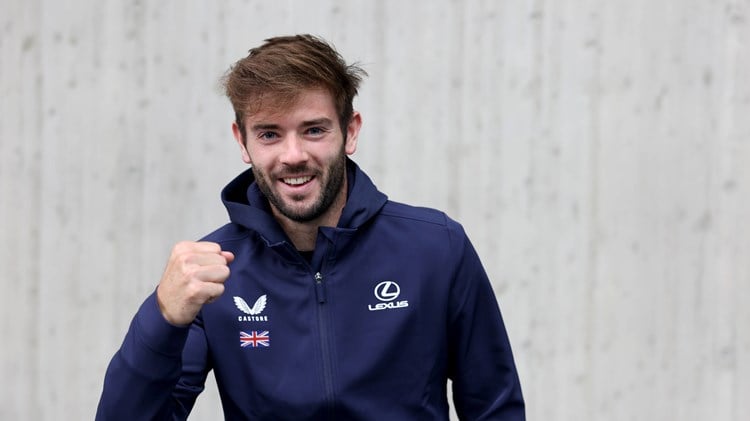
x=421, y=214
x=220, y=236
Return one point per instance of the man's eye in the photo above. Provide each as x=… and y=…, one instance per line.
x=267, y=136
x=315, y=131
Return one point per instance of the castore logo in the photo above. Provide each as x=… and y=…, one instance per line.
x=253, y=313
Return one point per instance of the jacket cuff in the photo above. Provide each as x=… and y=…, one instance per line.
x=156, y=333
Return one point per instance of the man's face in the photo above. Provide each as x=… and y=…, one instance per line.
x=299, y=156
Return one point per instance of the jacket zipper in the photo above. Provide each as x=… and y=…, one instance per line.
x=320, y=293
x=320, y=289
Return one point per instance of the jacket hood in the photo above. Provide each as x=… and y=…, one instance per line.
x=248, y=207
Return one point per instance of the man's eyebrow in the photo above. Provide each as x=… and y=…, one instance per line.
x=323, y=121
x=264, y=126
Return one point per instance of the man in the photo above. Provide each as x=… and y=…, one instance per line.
x=321, y=299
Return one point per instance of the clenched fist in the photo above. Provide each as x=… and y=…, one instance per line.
x=194, y=276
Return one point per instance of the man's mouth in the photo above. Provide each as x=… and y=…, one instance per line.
x=296, y=181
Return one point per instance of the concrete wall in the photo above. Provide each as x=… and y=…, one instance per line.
x=598, y=153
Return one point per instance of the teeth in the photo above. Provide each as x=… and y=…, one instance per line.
x=297, y=180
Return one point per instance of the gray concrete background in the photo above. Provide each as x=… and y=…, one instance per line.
x=598, y=154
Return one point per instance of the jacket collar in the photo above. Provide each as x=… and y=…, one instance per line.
x=248, y=207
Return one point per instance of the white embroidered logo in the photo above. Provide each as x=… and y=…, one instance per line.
x=387, y=292
x=254, y=311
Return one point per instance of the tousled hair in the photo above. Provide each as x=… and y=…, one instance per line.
x=275, y=73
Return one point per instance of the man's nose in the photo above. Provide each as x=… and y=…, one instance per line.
x=294, y=150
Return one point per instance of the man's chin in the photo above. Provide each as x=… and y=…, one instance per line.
x=297, y=213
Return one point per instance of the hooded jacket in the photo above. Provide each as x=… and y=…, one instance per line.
x=392, y=304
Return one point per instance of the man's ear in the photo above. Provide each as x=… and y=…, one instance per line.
x=241, y=141
x=352, y=133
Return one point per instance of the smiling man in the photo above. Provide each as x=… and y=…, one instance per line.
x=298, y=157
x=362, y=308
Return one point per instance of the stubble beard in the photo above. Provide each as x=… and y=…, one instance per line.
x=331, y=188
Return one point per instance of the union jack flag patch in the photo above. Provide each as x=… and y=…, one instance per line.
x=255, y=339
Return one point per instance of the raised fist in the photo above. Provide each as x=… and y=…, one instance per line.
x=194, y=276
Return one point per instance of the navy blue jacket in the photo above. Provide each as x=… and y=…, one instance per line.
x=393, y=303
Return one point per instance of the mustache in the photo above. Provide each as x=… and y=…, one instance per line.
x=296, y=170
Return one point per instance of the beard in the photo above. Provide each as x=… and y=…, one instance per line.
x=331, y=182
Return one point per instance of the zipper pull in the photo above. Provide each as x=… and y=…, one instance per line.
x=320, y=288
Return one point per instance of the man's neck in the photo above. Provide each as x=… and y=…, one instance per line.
x=302, y=235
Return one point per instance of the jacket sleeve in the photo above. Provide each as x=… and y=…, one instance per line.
x=485, y=381
x=158, y=371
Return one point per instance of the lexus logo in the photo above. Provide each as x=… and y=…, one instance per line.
x=387, y=291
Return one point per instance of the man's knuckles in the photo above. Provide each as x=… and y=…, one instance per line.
x=209, y=273
x=188, y=247
x=191, y=262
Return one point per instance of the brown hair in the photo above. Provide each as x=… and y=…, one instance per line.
x=282, y=67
